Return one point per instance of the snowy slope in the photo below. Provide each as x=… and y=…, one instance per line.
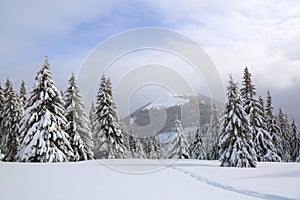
x=185, y=179
x=167, y=101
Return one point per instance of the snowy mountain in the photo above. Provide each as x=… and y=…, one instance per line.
x=148, y=180
x=186, y=107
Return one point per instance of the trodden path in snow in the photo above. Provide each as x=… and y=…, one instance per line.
x=286, y=174
x=147, y=180
x=230, y=188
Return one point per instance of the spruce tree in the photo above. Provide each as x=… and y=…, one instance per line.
x=23, y=94
x=43, y=138
x=132, y=143
x=264, y=147
x=77, y=123
x=1, y=108
x=110, y=142
x=92, y=118
x=1, y=155
x=213, y=135
x=283, y=124
x=179, y=145
x=295, y=142
x=11, y=116
x=236, y=142
x=273, y=128
x=136, y=147
x=139, y=151
x=196, y=149
x=255, y=110
x=248, y=92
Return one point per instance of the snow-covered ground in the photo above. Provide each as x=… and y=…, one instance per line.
x=148, y=179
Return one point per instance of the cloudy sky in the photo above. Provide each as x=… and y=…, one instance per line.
x=261, y=34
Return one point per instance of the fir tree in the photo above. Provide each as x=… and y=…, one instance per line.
x=295, y=142
x=255, y=110
x=153, y=148
x=139, y=151
x=283, y=124
x=179, y=145
x=236, y=142
x=264, y=147
x=43, y=138
x=110, y=141
x=23, y=94
x=248, y=92
x=132, y=143
x=11, y=116
x=136, y=147
x=92, y=118
x=1, y=108
x=1, y=155
x=213, y=135
x=273, y=128
x=77, y=123
x=196, y=149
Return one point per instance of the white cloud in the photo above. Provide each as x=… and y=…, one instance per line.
x=264, y=35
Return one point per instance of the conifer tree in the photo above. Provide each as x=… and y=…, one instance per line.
x=1, y=108
x=255, y=110
x=110, y=141
x=248, y=92
x=136, y=147
x=132, y=143
x=213, y=135
x=11, y=116
x=139, y=151
x=283, y=124
x=196, y=149
x=236, y=142
x=295, y=142
x=43, y=138
x=264, y=147
x=1, y=155
x=23, y=94
x=179, y=145
x=77, y=123
x=92, y=118
x=273, y=128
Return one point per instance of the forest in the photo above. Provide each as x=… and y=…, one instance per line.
x=48, y=125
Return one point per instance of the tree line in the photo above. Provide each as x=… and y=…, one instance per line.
x=53, y=126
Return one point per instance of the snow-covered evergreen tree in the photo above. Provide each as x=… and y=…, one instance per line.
x=153, y=149
x=136, y=147
x=248, y=92
x=11, y=115
x=295, y=142
x=139, y=151
x=78, y=123
x=261, y=137
x=1, y=155
x=43, y=138
x=236, y=142
x=273, y=128
x=1, y=108
x=213, y=135
x=178, y=146
x=132, y=143
x=92, y=118
x=110, y=142
x=264, y=147
x=283, y=124
x=196, y=149
x=23, y=94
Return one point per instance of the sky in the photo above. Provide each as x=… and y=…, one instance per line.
x=261, y=34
